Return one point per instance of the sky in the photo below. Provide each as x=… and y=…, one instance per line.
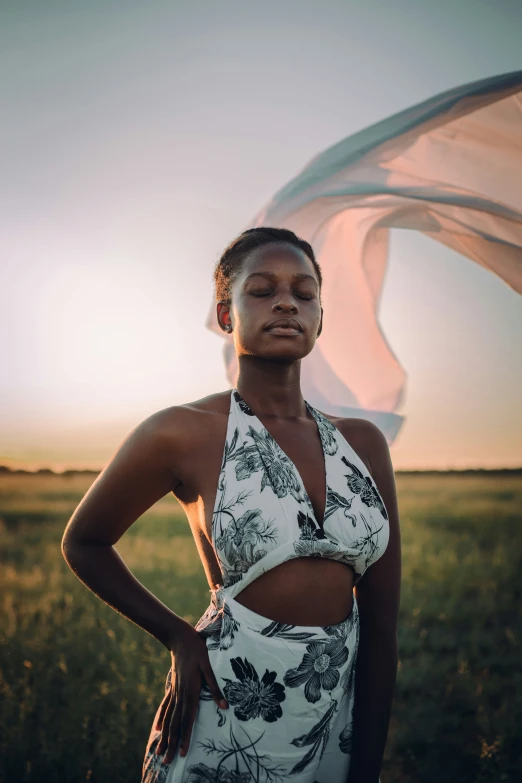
x=139, y=139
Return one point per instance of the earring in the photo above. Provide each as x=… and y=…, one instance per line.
x=228, y=327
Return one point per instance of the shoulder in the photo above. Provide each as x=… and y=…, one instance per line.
x=179, y=425
x=198, y=411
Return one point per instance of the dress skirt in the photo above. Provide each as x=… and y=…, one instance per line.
x=290, y=691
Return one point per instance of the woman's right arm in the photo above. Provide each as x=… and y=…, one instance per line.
x=139, y=474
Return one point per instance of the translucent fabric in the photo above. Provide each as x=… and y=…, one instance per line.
x=451, y=168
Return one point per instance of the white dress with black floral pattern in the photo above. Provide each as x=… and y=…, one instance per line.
x=290, y=688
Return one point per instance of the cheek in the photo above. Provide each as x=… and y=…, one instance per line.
x=250, y=317
x=251, y=312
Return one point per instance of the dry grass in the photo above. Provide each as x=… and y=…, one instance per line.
x=79, y=684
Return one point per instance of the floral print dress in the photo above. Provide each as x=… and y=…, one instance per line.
x=290, y=688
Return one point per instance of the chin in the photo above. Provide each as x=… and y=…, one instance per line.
x=283, y=349
x=282, y=353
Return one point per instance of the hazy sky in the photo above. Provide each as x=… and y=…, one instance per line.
x=139, y=138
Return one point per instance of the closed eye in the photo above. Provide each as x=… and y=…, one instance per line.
x=267, y=293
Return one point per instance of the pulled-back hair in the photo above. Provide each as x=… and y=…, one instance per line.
x=234, y=255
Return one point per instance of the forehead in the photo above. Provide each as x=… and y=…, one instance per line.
x=280, y=259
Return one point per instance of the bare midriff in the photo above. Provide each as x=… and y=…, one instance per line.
x=305, y=591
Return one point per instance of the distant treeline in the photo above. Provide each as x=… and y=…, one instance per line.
x=48, y=472
x=465, y=472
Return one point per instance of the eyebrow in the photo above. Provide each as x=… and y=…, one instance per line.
x=272, y=275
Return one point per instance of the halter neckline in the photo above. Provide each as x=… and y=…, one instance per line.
x=294, y=466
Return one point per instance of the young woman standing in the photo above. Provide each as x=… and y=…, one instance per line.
x=290, y=673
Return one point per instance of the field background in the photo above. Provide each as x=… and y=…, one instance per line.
x=79, y=684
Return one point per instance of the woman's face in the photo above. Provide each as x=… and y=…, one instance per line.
x=275, y=310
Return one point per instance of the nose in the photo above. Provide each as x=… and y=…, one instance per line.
x=285, y=305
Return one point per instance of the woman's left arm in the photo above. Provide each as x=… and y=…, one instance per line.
x=378, y=597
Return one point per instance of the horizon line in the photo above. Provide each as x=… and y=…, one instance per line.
x=6, y=470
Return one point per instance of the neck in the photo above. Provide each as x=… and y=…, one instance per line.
x=271, y=388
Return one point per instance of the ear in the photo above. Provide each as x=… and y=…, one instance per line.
x=320, y=324
x=223, y=314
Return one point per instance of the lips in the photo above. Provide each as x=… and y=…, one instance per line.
x=284, y=326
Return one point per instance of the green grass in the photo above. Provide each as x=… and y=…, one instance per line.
x=79, y=685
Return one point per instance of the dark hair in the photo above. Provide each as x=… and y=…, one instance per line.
x=232, y=259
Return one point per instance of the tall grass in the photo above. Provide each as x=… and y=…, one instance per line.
x=79, y=685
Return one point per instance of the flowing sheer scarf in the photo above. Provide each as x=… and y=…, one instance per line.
x=451, y=168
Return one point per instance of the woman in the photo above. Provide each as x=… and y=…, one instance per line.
x=289, y=675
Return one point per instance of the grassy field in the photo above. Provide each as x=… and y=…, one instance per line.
x=79, y=684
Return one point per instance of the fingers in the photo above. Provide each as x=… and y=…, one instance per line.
x=165, y=729
x=173, y=733
x=188, y=716
x=162, y=709
x=179, y=708
x=170, y=703
x=214, y=689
